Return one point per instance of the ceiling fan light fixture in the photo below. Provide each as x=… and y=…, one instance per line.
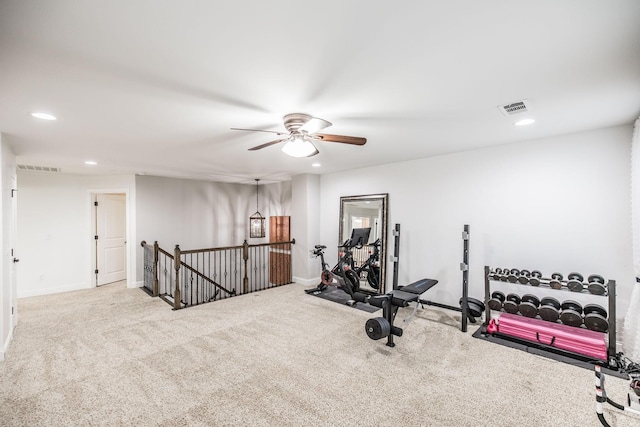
x=298, y=146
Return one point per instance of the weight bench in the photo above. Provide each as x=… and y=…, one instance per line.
x=380, y=327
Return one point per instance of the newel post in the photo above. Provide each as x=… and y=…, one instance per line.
x=245, y=257
x=155, y=268
x=176, y=266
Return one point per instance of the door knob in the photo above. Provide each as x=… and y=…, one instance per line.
x=16, y=260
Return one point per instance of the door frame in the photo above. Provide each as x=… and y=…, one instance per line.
x=93, y=194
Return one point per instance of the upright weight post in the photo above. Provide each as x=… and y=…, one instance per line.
x=487, y=290
x=396, y=255
x=464, y=266
x=611, y=288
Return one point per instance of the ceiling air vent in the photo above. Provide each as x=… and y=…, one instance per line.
x=39, y=168
x=514, y=108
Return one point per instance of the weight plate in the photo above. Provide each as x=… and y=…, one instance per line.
x=575, y=276
x=513, y=298
x=534, y=281
x=476, y=307
x=523, y=280
x=555, y=284
x=596, y=322
x=528, y=309
x=571, y=318
x=549, y=313
x=556, y=276
x=512, y=278
x=377, y=328
x=574, y=285
x=596, y=288
x=510, y=307
x=531, y=299
x=551, y=302
x=571, y=305
x=536, y=274
x=498, y=295
x=594, y=308
x=596, y=278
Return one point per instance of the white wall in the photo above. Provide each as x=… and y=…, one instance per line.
x=305, y=227
x=8, y=297
x=558, y=204
x=202, y=214
x=55, y=241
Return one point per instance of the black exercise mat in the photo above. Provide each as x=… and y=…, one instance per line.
x=332, y=293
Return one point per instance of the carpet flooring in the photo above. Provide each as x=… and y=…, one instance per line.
x=114, y=356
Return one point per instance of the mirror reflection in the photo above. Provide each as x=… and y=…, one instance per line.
x=363, y=232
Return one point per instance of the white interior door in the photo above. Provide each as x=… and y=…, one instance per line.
x=111, y=228
x=13, y=281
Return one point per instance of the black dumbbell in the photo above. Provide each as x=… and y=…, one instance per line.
x=571, y=313
x=524, y=277
x=529, y=305
x=595, y=318
x=574, y=282
x=511, y=303
x=596, y=284
x=549, y=309
x=513, y=275
x=495, y=274
x=556, y=281
x=534, y=280
x=497, y=298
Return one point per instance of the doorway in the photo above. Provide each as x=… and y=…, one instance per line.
x=110, y=238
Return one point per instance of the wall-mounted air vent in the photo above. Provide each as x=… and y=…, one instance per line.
x=515, y=108
x=39, y=168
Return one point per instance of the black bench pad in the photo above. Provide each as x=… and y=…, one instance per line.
x=419, y=287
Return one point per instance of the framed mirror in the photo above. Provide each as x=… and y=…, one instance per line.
x=364, y=220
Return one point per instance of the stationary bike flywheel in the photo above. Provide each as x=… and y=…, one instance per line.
x=326, y=277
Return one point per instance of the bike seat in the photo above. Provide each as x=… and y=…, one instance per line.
x=321, y=247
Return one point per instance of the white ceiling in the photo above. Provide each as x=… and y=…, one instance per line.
x=148, y=86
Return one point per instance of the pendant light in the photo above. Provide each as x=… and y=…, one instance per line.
x=256, y=221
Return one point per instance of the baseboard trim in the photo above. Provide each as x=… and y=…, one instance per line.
x=139, y=284
x=307, y=282
x=57, y=290
x=6, y=344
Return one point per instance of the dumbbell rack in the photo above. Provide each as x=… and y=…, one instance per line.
x=553, y=352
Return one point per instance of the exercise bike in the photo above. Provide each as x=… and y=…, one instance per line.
x=371, y=266
x=633, y=394
x=342, y=272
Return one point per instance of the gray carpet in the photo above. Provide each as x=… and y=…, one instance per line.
x=114, y=356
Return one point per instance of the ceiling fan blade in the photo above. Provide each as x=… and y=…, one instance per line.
x=266, y=144
x=355, y=140
x=315, y=124
x=262, y=130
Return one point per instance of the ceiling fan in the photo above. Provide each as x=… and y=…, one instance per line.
x=302, y=132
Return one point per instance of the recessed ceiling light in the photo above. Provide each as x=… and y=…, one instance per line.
x=524, y=122
x=316, y=165
x=90, y=162
x=44, y=116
